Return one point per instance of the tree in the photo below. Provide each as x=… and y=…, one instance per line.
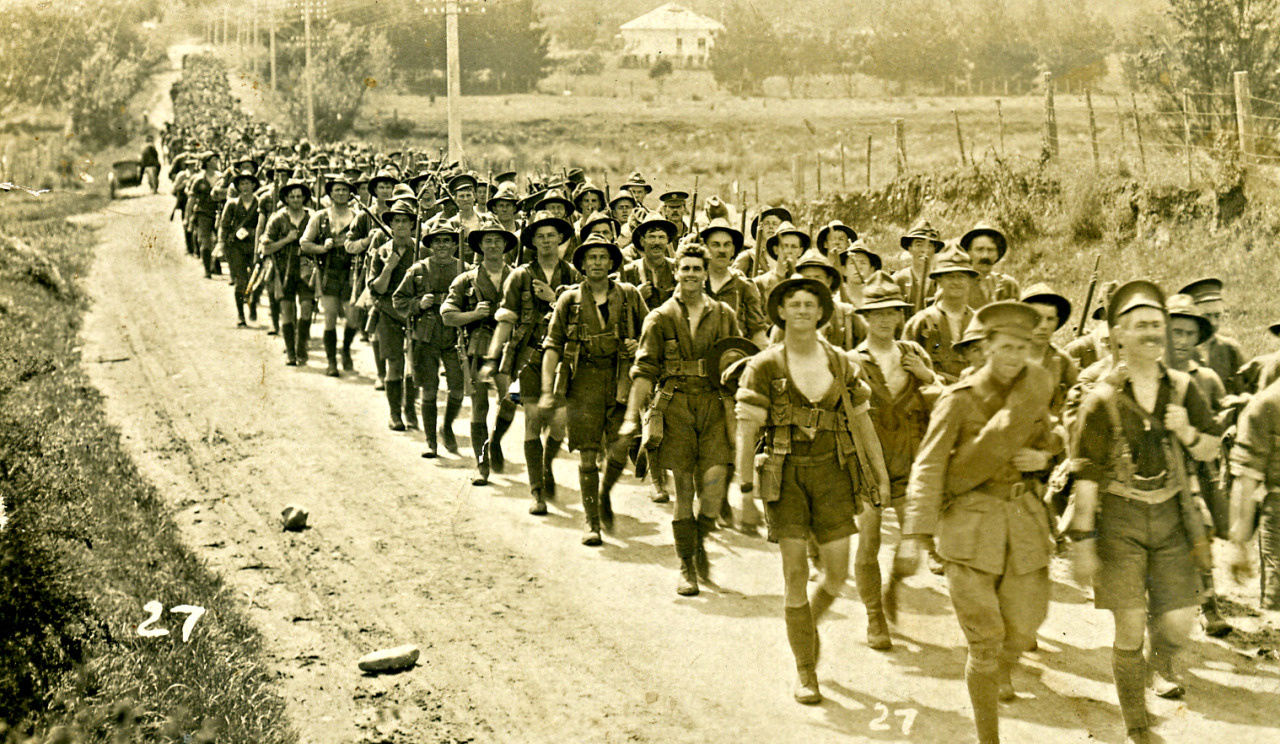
x=742, y=57
x=346, y=63
x=1073, y=41
x=998, y=46
x=1198, y=47
x=916, y=41
x=660, y=71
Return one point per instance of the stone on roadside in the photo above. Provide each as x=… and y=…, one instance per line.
x=295, y=517
x=389, y=659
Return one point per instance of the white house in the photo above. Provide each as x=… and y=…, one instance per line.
x=669, y=31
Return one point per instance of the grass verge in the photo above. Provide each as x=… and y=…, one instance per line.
x=87, y=541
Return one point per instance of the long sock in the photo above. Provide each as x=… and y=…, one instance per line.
x=303, y=329
x=379, y=361
x=1129, y=670
x=613, y=470
x=287, y=334
x=533, y=462
x=981, y=677
x=548, y=457
x=274, y=306
x=395, y=398
x=479, y=437
x=820, y=600
x=331, y=347
x=410, y=399
x=802, y=634
x=348, y=335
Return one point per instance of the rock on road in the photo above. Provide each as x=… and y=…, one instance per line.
x=526, y=636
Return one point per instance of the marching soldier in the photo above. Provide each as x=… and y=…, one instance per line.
x=969, y=488
x=527, y=301
x=938, y=325
x=362, y=237
x=785, y=247
x=1054, y=310
x=472, y=303
x=280, y=242
x=724, y=283
x=921, y=242
x=326, y=237
x=419, y=299
x=986, y=247
x=1220, y=352
x=818, y=462
x=388, y=265
x=237, y=225
x=846, y=329
x=1255, y=495
x=653, y=273
x=897, y=371
x=202, y=207
x=1135, y=532
x=587, y=358
x=688, y=410
x=763, y=226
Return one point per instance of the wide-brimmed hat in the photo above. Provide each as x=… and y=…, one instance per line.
x=555, y=196
x=781, y=213
x=652, y=221
x=989, y=230
x=435, y=227
x=337, y=179
x=417, y=181
x=621, y=196
x=575, y=175
x=399, y=207
x=249, y=173
x=381, y=176
x=295, y=184
x=1043, y=294
x=881, y=292
x=504, y=177
x=598, y=218
x=595, y=241
x=952, y=261
x=1132, y=295
x=637, y=180
x=505, y=192
x=1184, y=306
x=860, y=246
x=838, y=226
x=975, y=331
x=544, y=219
x=786, y=228
x=1017, y=319
x=243, y=163
x=725, y=353
x=490, y=226
x=1106, y=291
x=584, y=189
x=784, y=287
x=813, y=259
x=206, y=156
x=1204, y=290
x=403, y=191
x=723, y=225
x=922, y=229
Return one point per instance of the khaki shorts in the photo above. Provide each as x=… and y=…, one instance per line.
x=1146, y=557
x=814, y=498
x=694, y=434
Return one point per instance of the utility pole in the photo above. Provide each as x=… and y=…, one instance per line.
x=272, y=39
x=306, y=72
x=454, y=99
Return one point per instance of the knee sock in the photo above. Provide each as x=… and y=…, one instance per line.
x=533, y=462
x=1129, y=670
x=802, y=634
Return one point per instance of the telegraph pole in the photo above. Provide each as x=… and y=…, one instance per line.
x=454, y=99
x=306, y=73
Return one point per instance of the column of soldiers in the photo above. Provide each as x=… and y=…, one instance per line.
x=791, y=367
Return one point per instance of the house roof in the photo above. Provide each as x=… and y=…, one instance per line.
x=672, y=17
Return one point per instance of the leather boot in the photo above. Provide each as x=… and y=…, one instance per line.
x=1165, y=681
x=331, y=353
x=411, y=402
x=685, y=532
x=274, y=306
x=479, y=440
x=548, y=474
x=867, y=577
x=429, y=425
x=533, y=463
x=395, y=401
x=1210, y=618
x=802, y=636
x=348, y=335
x=612, y=472
x=658, y=477
x=506, y=414
x=589, y=482
x=451, y=408
x=1127, y=666
x=287, y=333
x=706, y=525
x=980, y=677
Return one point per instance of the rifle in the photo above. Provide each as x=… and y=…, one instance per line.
x=758, y=261
x=693, y=209
x=607, y=196
x=1088, y=297
x=919, y=300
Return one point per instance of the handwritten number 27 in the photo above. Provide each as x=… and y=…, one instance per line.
x=908, y=716
x=192, y=612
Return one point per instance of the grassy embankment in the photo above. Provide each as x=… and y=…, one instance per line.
x=88, y=542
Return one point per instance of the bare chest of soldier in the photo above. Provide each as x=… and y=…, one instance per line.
x=810, y=373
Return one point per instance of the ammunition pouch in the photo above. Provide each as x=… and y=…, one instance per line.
x=769, y=476
x=653, y=419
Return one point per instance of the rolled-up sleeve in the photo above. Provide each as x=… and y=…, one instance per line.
x=558, y=332
x=509, y=310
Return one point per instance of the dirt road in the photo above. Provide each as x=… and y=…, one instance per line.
x=527, y=636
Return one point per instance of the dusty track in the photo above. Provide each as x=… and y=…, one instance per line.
x=526, y=635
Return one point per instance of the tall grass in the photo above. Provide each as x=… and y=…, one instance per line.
x=88, y=541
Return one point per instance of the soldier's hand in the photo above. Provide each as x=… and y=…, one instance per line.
x=1240, y=562
x=328, y=244
x=547, y=401
x=427, y=301
x=484, y=308
x=916, y=366
x=631, y=346
x=1084, y=561
x=906, y=561
x=543, y=291
x=1029, y=460
x=486, y=372
x=292, y=236
x=1177, y=421
x=630, y=427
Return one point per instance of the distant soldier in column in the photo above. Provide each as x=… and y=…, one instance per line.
x=388, y=265
x=986, y=247
x=785, y=248
x=365, y=235
x=939, y=325
x=653, y=273
x=202, y=208
x=326, y=237
x=1136, y=534
x=673, y=211
x=763, y=226
x=1054, y=311
x=1255, y=495
x=688, y=408
x=969, y=488
x=724, y=283
x=238, y=224
x=523, y=318
x=922, y=242
x=1221, y=353
x=281, y=242
x=819, y=459
x=587, y=357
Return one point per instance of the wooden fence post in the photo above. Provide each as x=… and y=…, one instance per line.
x=1119, y=119
x=1000, y=117
x=1186, y=131
x=868, y=162
x=1093, y=126
x=900, y=143
x=843, y=186
x=797, y=177
x=1244, y=113
x=959, y=136
x=1137, y=128
x=1050, y=117
x=819, y=184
